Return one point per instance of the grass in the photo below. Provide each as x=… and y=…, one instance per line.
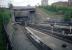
x=51, y=14
x=62, y=12
x=56, y=11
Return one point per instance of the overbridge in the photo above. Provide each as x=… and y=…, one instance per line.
x=24, y=15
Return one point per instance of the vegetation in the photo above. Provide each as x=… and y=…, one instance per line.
x=66, y=11
x=4, y=18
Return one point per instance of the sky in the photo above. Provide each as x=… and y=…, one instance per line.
x=32, y=2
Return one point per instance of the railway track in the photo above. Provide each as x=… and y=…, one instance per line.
x=55, y=34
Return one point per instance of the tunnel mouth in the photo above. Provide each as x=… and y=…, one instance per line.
x=21, y=18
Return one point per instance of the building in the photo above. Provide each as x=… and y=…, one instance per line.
x=70, y=2
x=60, y=4
x=4, y=3
x=44, y=2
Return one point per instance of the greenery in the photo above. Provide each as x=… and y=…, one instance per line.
x=4, y=18
x=66, y=11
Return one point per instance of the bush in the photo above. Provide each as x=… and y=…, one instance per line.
x=4, y=19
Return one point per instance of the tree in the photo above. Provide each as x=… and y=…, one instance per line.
x=10, y=6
